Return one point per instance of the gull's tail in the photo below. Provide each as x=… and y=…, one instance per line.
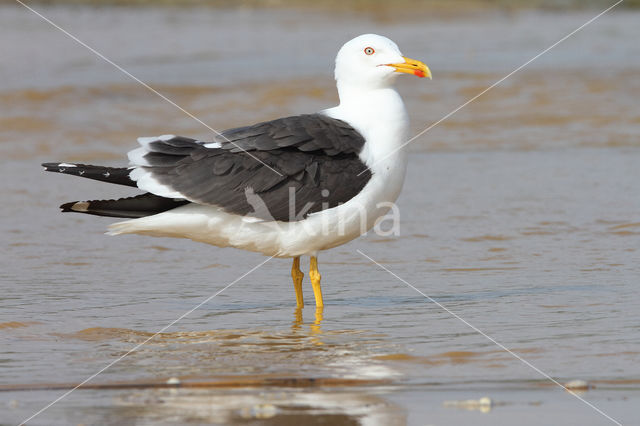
x=132, y=207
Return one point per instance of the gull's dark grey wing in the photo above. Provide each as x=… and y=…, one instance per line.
x=308, y=132
x=316, y=158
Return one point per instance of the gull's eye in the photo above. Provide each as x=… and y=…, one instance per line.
x=369, y=51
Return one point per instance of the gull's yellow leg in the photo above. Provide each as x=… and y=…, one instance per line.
x=319, y=318
x=314, y=274
x=315, y=327
x=297, y=323
x=297, y=276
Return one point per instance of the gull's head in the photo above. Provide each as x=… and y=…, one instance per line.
x=374, y=61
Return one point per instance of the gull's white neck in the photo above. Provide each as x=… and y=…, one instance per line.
x=379, y=115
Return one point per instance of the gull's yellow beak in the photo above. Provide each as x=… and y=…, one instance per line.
x=411, y=66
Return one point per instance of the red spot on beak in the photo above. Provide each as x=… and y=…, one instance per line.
x=419, y=73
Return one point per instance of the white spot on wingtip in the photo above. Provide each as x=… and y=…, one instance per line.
x=66, y=165
x=213, y=145
x=106, y=174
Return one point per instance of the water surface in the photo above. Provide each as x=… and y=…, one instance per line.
x=520, y=214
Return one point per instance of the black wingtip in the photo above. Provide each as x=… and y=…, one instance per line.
x=48, y=167
x=115, y=175
x=68, y=207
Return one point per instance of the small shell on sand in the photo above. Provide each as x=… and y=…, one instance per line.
x=483, y=404
x=259, y=411
x=173, y=381
x=577, y=385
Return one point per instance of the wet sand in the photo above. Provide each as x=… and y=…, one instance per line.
x=519, y=213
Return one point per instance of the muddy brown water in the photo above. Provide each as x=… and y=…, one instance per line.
x=520, y=214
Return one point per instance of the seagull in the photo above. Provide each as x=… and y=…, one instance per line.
x=288, y=187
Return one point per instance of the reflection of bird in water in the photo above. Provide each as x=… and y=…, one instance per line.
x=288, y=187
x=314, y=327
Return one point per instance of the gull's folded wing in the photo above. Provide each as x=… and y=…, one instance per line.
x=316, y=159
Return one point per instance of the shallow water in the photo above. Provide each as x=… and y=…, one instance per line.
x=519, y=214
